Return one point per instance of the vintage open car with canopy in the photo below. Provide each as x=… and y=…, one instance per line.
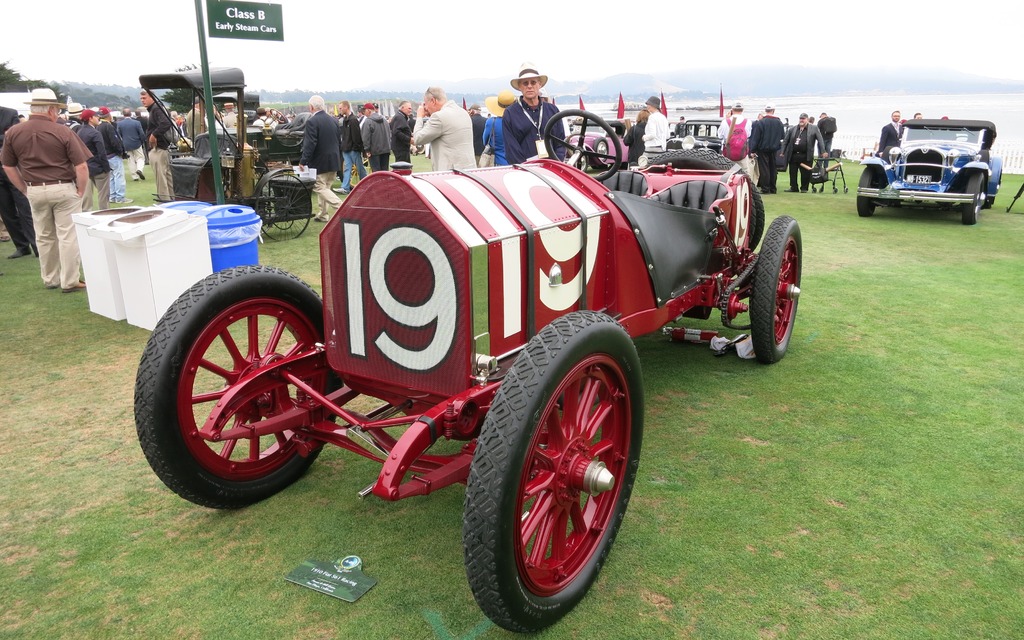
x=256, y=168
x=490, y=309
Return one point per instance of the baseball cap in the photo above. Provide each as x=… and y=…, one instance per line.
x=103, y=112
x=87, y=114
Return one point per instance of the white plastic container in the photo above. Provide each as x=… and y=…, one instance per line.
x=100, y=265
x=160, y=254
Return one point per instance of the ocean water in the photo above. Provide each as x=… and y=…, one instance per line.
x=864, y=115
x=867, y=114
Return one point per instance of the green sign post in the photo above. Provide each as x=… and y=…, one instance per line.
x=245, y=20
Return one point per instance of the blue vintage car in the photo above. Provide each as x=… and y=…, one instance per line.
x=944, y=163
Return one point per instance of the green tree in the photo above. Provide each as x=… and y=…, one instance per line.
x=11, y=79
x=179, y=100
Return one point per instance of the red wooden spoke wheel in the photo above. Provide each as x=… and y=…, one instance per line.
x=241, y=339
x=567, y=492
x=225, y=327
x=553, y=471
x=776, y=290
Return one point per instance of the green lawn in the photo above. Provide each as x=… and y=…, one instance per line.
x=867, y=486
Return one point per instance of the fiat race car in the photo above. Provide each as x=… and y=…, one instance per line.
x=491, y=308
x=944, y=163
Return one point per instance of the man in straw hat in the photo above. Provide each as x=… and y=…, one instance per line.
x=73, y=118
x=493, y=134
x=524, y=120
x=46, y=162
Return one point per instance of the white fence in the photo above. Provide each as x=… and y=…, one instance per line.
x=856, y=147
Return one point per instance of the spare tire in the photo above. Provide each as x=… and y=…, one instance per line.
x=696, y=158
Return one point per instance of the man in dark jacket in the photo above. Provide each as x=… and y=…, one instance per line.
x=132, y=136
x=99, y=168
x=827, y=127
x=351, y=146
x=890, y=136
x=479, y=122
x=401, y=133
x=15, y=209
x=376, y=138
x=765, y=143
x=158, y=124
x=800, y=141
x=321, y=151
x=115, y=156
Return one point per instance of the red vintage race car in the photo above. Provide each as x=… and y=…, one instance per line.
x=493, y=307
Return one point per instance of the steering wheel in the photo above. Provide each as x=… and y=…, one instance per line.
x=578, y=150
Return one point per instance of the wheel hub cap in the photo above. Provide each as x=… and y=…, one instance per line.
x=597, y=478
x=589, y=476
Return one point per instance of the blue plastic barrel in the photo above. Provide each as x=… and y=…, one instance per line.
x=188, y=206
x=234, y=232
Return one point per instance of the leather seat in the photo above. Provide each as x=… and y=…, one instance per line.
x=201, y=146
x=693, y=194
x=629, y=181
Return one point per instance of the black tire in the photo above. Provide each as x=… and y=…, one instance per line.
x=601, y=146
x=696, y=158
x=778, y=270
x=284, y=203
x=866, y=206
x=757, y=217
x=991, y=200
x=976, y=187
x=522, y=442
x=178, y=371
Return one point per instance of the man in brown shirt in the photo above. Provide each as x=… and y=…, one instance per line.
x=46, y=161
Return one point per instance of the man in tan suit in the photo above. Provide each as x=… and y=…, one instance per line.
x=448, y=130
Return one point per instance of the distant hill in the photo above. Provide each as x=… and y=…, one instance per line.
x=97, y=95
x=684, y=85
x=778, y=81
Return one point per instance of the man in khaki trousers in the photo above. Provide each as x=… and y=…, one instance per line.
x=46, y=161
x=321, y=150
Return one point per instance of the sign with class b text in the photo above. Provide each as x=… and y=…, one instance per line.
x=244, y=20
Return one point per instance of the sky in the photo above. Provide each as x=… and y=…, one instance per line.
x=332, y=45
